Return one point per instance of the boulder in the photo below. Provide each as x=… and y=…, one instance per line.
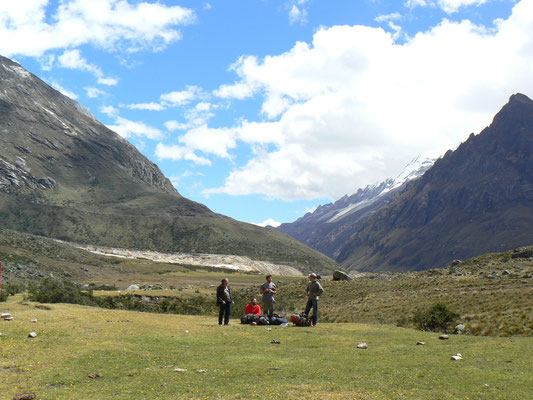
x=32, y=334
x=341, y=276
x=133, y=287
x=363, y=346
x=459, y=329
x=24, y=396
x=523, y=254
x=443, y=337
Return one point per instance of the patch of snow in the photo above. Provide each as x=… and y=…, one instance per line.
x=416, y=168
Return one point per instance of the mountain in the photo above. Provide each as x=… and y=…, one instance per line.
x=474, y=200
x=328, y=227
x=64, y=175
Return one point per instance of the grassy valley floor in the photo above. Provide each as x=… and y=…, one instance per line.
x=137, y=354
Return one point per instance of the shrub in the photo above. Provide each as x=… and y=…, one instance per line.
x=437, y=318
x=55, y=291
x=3, y=295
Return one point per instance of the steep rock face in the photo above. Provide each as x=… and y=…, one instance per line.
x=474, y=200
x=65, y=175
x=331, y=225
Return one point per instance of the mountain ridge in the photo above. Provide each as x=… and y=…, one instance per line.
x=474, y=200
x=330, y=225
x=66, y=176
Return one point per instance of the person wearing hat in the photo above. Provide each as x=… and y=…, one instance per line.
x=314, y=290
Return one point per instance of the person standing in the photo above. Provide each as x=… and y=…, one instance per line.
x=224, y=300
x=268, y=290
x=314, y=290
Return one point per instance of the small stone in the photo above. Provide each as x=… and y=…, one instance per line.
x=34, y=321
x=94, y=376
x=10, y=318
x=201, y=371
x=363, y=346
x=24, y=396
x=180, y=369
x=443, y=337
x=33, y=334
x=457, y=357
x=186, y=331
x=274, y=341
x=420, y=343
x=269, y=329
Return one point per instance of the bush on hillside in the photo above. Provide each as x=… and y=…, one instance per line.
x=437, y=318
x=55, y=291
x=10, y=290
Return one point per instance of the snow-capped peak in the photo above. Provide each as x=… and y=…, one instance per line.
x=367, y=196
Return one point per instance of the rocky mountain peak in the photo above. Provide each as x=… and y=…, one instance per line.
x=50, y=137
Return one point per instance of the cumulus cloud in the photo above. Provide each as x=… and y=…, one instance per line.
x=181, y=97
x=449, y=6
x=110, y=111
x=178, y=153
x=93, y=92
x=127, y=129
x=72, y=59
x=146, y=106
x=109, y=24
x=388, y=17
x=297, y=12
x=354, y=106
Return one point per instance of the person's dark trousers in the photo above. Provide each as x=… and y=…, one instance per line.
x=312, y=303
x=224, y=313
x=268, y=308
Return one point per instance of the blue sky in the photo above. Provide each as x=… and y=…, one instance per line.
x=266, y=109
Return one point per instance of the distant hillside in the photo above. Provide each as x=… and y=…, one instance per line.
x=65, y=175
x=476, y=199
x=328, y=227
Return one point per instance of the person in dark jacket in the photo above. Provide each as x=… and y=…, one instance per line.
x=314, y=290
x=224, y=300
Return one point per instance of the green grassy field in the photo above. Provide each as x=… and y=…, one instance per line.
x=137, y=355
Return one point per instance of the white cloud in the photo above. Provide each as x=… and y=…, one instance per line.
x=354, y=106
x=448, y=6
x=297, y=11
x=178, y=153
x=127, y=129
x=146, y=106
x=268, y=222
x=388, y=17
x=110, y=111
x=93, y=92
x=109, y=24
x=416, y=3
x=64, y=91
x=72, y=59
x=180, y=98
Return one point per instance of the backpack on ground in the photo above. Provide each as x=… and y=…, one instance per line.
x=262, y=320
x=300, y=320
x=276, y=319
x=249, y=318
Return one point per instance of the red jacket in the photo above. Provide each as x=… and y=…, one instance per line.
x=253, y=309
